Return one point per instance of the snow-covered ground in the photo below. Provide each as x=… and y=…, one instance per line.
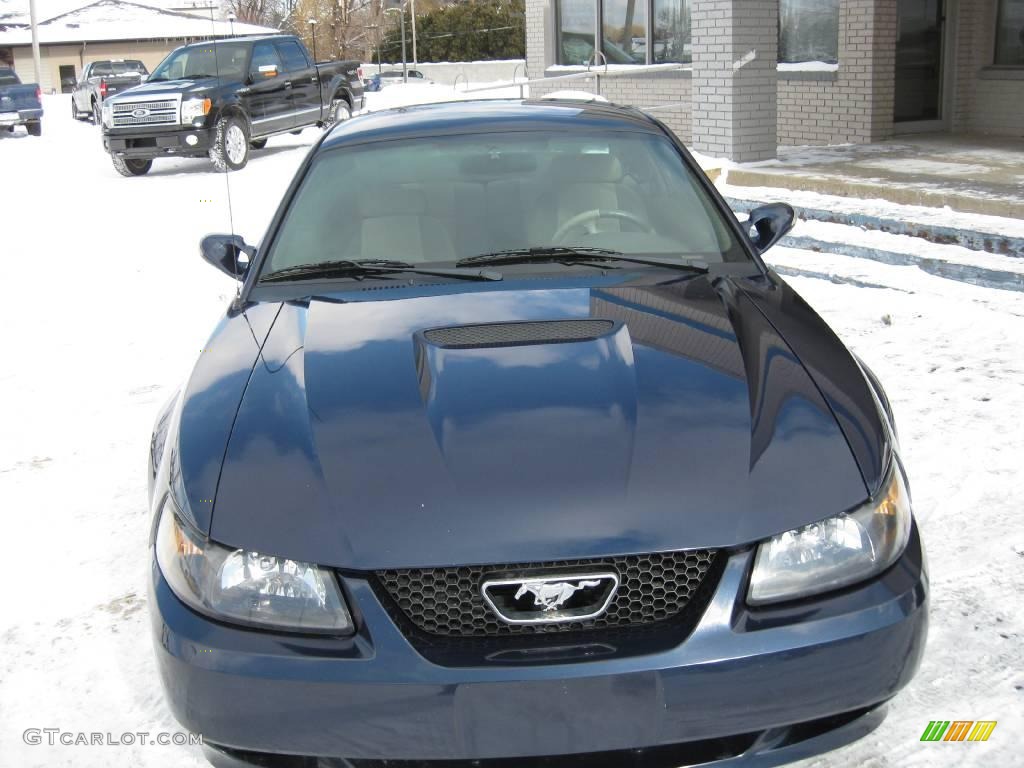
x=107, y=304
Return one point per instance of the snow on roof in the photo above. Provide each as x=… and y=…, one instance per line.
x=123, y=20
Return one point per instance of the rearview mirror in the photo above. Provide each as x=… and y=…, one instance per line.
x=769, y=223
x=228, y=253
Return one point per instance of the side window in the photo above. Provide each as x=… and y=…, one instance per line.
x=264, y=55
x=294, y=57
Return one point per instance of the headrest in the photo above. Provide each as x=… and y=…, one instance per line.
x=588, y=168
x=391, y=200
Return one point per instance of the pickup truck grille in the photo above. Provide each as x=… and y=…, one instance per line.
x=127, y=113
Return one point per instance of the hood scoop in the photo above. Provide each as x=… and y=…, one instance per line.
x=495, y=392
x=518, y=334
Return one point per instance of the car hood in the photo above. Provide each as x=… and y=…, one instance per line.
x=185, y=87
x=671, y=417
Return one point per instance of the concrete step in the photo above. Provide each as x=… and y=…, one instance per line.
x=951, y=262
x=972, y=238
x=967, y=201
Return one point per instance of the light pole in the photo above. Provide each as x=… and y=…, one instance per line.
x=413, y=8
x=405, y=70
x=312, y=34
x=35, y=43
x=231, y=21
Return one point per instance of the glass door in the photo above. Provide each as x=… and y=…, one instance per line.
x=920, y=38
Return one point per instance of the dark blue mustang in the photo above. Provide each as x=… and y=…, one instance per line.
x=512, y=448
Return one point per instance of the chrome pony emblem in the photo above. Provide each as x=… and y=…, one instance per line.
x=542, y=599
x=549, y=595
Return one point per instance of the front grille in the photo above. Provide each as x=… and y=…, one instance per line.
x=160, y=113
x=447, y=601
x=514, y=334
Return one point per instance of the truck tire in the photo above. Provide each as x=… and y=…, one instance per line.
x=131, y=167
x=258, y=143
x=230, y=150
x=75, y=114
x=339, y=112
x=34, y=128
x=97, y=116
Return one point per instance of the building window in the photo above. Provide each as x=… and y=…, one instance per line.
x=809, y=30
x=1010, y=33
x=626, y=35
x=671, y=31
x=624, y=31
x=574, y=24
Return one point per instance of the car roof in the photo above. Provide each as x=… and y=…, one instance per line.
x=242, y=39
x=488, y=115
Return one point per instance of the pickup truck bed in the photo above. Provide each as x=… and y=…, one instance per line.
x=19, y=104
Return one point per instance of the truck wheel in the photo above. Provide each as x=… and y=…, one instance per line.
x=230, y=150
x=34, y=128
x=75, y=114
x=97, y=117
x=131, y=167
x=258, y=143
x=340, y=111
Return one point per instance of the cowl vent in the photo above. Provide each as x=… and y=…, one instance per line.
x=518, y=334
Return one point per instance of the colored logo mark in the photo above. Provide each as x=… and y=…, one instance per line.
x=959, y=730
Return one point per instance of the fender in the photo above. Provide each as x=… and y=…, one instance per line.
x=227, y=106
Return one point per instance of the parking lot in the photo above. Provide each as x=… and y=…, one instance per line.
x=107, y=304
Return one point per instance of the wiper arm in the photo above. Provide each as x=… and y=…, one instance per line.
x=566, y=254
x=367, y=267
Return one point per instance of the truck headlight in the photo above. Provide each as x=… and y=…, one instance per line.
x=194, y=111
x=247, y=587
x=834, y=552
x=107, y=114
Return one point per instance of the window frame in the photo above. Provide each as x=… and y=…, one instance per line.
x=995, y=40
x=599, y=35
x=556, y=13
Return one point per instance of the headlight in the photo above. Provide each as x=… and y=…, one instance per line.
x=834, y=552
x=247, y=587
x=107, y=114
x=194, y=110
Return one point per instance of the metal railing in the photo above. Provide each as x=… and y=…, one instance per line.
x=589, y=73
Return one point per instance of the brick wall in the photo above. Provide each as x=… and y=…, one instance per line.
x=985, y=101
x=852, y=105
x=855, y=105
x=735, y=52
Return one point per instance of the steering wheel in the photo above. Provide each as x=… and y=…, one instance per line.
x=591, y=216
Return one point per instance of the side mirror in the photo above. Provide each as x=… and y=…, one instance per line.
x=267, y=70
x=228, y=253
x=769, y=224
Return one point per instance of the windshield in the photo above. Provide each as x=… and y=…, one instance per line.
x=198, y=61
x=7, y=77
x=118, y=67
x=440, y=199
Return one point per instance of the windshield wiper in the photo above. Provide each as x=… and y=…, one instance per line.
x=368, y=267
x=569, y=255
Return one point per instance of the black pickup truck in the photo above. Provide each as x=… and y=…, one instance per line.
x=222, y=98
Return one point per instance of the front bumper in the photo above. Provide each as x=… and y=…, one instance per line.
x=163, y=142
x=20, y=117
x=752, y=687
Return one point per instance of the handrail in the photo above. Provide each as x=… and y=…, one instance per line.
x=627, y=71
x=515, y=75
